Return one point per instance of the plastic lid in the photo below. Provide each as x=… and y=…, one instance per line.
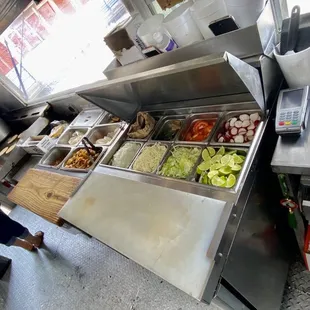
x=158, y=37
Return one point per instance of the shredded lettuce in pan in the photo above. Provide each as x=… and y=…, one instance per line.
x=181, y=163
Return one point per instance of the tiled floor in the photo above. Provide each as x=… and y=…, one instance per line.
x=77, y=272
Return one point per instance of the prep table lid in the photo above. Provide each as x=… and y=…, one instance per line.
x=204, y=77
x=172, y=233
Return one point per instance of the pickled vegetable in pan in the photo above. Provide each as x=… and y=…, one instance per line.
x=200, y=130
x=239, y=129
x=169, y=131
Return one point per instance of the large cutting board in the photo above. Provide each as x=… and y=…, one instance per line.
x=44, y=193
x=168, y=232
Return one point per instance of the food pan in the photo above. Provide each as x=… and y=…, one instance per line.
x=57, y=153
x=221, y=128
x=87, y=118
x=239, y=151
x=163, y=125
x=167, y=145
x=157, y=123
x=192, y=120
x=169, y=153
x=102, y=151
x=64, y=138
x=107, y=118
x=99, y=132
x=108, y=160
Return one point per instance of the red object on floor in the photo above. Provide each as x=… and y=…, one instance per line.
x=306, y=252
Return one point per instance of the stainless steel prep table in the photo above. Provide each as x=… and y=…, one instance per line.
x=137, y=214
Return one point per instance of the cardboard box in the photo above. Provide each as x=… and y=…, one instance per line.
x=167, y=4
x=124, y=42
x=38, y=147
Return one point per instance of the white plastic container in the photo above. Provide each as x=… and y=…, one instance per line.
x=181, y=25
x=205, y=12
x=295, y=68
x=245, y=12
x=164, y=42
x=149, y=27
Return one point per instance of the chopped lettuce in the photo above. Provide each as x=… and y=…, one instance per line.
x=181, y=162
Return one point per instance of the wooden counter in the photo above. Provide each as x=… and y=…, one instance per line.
x=44, y=193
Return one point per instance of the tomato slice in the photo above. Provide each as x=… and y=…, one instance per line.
x=199, y=125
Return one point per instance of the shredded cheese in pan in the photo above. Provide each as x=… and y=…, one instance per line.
x=150, y=158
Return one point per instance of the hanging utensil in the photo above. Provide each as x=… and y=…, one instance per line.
x=289, y=43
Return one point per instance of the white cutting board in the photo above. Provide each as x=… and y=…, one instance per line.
x=164, y=230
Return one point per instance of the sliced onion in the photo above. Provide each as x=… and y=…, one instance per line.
x=232, y=141
x=226, y=125
x=246, y=123
x=239, y=139
x=238, y=124
x=254, y=117
x=232, y=122
x=252, y=126
x=250, y=133
x=242, y=131
x=233, y=131
x=244, y=117
x=250, y=138
x=221, y=139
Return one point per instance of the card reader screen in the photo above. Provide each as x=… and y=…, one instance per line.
x=292, y=99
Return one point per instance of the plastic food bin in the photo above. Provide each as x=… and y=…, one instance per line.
x=245, y=12
x=181, y=25
x=149, y=27
x=205, y=12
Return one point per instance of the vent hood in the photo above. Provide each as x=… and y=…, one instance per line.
x=9, y=10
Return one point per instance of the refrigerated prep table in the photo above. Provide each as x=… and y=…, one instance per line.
x=209, y=241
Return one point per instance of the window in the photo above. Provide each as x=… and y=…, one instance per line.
x=58, y=45
x=304, y=5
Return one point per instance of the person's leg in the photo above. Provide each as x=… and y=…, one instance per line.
x=23, y=244
x=11, y=233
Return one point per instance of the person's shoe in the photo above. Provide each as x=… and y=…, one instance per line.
x=40, y=237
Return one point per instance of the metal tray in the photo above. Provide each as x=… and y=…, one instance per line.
x=164, y=122
x=87, y=118
x=64, y=138
x=226, y=117
x=54, y=154
x=107, y=160
x=148, y=144
x=168, y=154
x=101, y=131
x=106, y=119
x=103, y=150
x=240, y=150
x=158, y=121
x=198, y=117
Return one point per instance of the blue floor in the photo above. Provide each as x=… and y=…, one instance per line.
x=78, y=272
